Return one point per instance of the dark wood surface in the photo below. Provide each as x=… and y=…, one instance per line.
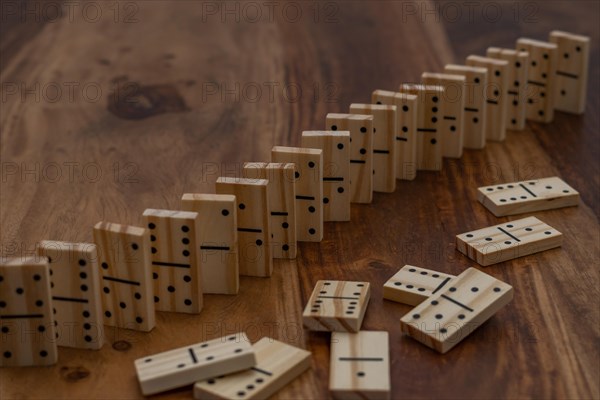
x=178, y=136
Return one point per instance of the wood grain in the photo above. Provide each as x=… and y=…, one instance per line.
x=528, y=349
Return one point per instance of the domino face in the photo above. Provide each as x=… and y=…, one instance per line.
x=309, y=189
x=406, y=130
x=571, y=71
x=507, y=241
x=361, y=152
x=541, y=77
x=126, y=276
x=176, y=268
x=186, y=365
x=384, y=144
x=75, y=289
x=277, y=364
x=429, y=136
x=527, y=196
x=518, y=65
x=454, y=105
x=360, y=365
x=26, y=318
x=217, y=237
x=337, y=306
x=254, y=226
x=495, y=124
x=449, y=316
x=282, y=204
x=336, y=171
x=413, y=285
x=476, y=80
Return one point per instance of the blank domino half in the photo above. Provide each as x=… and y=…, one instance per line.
x=28, y=329
x=218, y=240
x=496, y=98
x=508, y=240
x=527, y=196
x=282, y=204
x=541, y=77
x=361, y=152
x=429, y=135
x=75, y=291
x=254, y=225
x=187, y=365
x=406, y=130
x=126, y=276
x=384, y=144
x=337, y=306
x=360, y=365
x=277, y=364
x=516, y=90
x=176, y=268
x=450, y=315
x=475, y=105
x=413, y=285
x=336, y=171
x=571, y=71
x=454, y=105
x=309, y=189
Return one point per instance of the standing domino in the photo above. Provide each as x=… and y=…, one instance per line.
x=218, y=240
x=254, y=226
x=571, y=71
x=26, y=318
x=507, y=241
x=186, y=365
x=75, y=293
x=360, y=365
x=406, y=130
x=337, y=306
x=176, y=265
x=277, y=364
x=336, y=171
x=412, y=285
x=126, y=272
x=309, y=189
x=449, y=316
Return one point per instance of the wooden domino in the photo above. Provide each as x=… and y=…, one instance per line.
x=475, y=105
x=359, y=366
x=541, y=77
x=527, y=196
x=282, y=204
x=218, y=241
x=384, y=144
x=452, y=120
x=176, y=268
x=518, y=65
x=336, y=171
x=186, y=365
x=277, y=364
x=429, y=134
x=254, y=225
x=508, y=240
x=361, y=152
x=571, y=71
x=406, y=130
x=337, y=306
x=126, y=276
x=309, y=189
x=495, y=122
x=26, y=317
x=413, y=285
x=75, y=288
x=450, y=315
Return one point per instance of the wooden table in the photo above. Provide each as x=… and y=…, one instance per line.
x=211, y=94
